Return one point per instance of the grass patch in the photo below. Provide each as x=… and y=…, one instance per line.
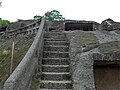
x=35, y=84
x=5, y=60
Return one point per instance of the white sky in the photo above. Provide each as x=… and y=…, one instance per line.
x=93, y=10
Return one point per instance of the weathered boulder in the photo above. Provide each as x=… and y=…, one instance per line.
x=109, y=25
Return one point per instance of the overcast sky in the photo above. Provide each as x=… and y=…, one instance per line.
x=93, y=10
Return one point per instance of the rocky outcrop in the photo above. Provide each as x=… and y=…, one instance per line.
x=83, y=47
x=82, y=63
x=3, y=28
x=18, y=24
x=54, y=25
x=109, y=25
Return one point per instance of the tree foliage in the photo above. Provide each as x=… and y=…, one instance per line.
x=4, y=22
x=54, y=15
x=37, y=17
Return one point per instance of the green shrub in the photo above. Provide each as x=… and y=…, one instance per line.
x=4, y=22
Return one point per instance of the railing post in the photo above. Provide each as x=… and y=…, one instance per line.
x=12, y=56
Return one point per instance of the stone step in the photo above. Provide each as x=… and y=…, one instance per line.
x=54, y=33
x=56, y=43
x=45, y=84
x=1, y=87
x=55, y=68
x=55, y=61
x=53, y=54
x=56, y=89
x=56, y=48
x=54, y=30
x=54, y=36
x=55, y=76
x=55, y=39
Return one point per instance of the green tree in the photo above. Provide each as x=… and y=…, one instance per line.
x=37, y=17
x=54, y=15
x=4, y=22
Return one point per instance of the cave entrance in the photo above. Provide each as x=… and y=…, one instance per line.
x=85, y=26
x=107, y=77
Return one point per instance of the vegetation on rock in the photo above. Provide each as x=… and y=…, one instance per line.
x=37, y=17
x=4, y=22
x=54, y=15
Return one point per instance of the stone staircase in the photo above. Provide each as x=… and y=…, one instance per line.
x=55, y=63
